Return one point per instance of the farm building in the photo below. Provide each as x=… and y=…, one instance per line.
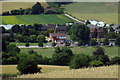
x=92, y=30
x=112, y=42
x=57, y=36
x=61, y=28
x=116, y=28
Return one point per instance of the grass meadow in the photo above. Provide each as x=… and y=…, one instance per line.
x=11, y=69
x=31, y=19
x=103, y=11
x=48, y=52
x=99, y=72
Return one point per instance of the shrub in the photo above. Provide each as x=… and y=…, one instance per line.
x=40, y=44
x=12, y=48
x=67, y=43
x=93, y=42
x=27, y=44
x=12, y=60
x=62, y=56
x=28, y=64
x=115, y=60
x=79, y=61
x=105, y=42
x=96, y=63
x=100, y=55
x=80, y=42
x=53, y=44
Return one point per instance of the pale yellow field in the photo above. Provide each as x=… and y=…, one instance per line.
x=11, y=69
x=7, y=6
x=99, y=72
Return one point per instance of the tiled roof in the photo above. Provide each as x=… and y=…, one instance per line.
x=57, y=34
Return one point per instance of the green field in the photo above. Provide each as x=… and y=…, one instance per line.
x=23, y=44
x=31, y=19
x=110, y=51
x=94, y=11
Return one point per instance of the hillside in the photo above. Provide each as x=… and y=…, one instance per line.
x=103, y=11
x=99, y=72
x=31, y=19
x=7, y=6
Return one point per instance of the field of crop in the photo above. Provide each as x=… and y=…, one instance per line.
x=7, y=6
x=103, y=11
x=110, y=51
x=31, y=19
x=11, y=69
x=99, y=72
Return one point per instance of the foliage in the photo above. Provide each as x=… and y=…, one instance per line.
x=67, y=43
x=41, y=38
x=96, y=63
x=53, y=44
x=79, y=61
x=105, y=41
x=27, y=64
x=80, y=42
x=79, y=32
x=37, y=9
x=40, y=44
x=99, y=54
x=115, y=60
x=27, y=44
x=62, y=57
x=12, y=48
x=93, y=42
x=117, y=41
x=48, y=32
x=111, y=35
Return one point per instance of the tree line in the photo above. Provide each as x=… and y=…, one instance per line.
x=36, y=9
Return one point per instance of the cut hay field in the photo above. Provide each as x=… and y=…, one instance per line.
x=7, y=6
x=99, y=72
x=48, y=52
x=31, y=19
x=102, y=11
x=11, y=69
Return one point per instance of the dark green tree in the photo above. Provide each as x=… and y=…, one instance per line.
x=27, y=44
x=106, y=41
x=79, y=32
x=37, y=9
x=40, y=44
x=62, y=57
x=93, y=42
x=67, y=43
x=79, y=61
x=28, y=64
x=80, y=43
x=53, y=44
